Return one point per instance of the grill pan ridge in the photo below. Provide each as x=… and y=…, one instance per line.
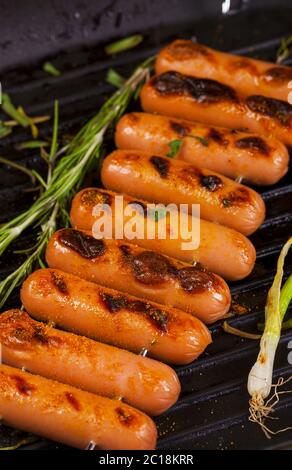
x=212, y=412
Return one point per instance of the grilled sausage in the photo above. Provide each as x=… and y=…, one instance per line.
x=221, y=249
x=140, y=272
x=111, y=317
x=248, y=76
x=161, y=179
x=95, y=367
x=256, y=158
x=71, y=416
x=211, y=102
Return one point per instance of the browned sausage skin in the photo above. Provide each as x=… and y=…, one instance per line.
x=95, y=367
x=161, y=179
x=221, y=250
x=114, y=318
x=211, y=102
x=256, y=158
x=140, y=272
x=71, y=416
x=248, y=76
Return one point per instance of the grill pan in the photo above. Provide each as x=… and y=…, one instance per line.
x=212, y=412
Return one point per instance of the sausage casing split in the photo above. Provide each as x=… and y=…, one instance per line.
x=98, y=368
x=140, y=272
x=211, y=102
x=71, y=416
x=221, y=250
x=162, y=179
x=248, y=76
x=114, y=318
x=256, y=158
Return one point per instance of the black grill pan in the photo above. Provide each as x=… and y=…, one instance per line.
x=212, y=412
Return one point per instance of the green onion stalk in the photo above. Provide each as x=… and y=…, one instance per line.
x=260, y=377
x=65, y=177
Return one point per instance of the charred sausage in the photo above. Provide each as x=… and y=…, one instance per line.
x=213, y=103
x=114, y=318
x=221, y=249
x=95, y=367
x=71, y=416
x=140, y=272
x=248, y=76
x=256, y=158
x=161, y=179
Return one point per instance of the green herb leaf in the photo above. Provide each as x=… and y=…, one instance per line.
x=31, y=144
x=114, y=78
x=11, y=111
x=51, y=69
x=174, y=146
x=123, y=44
x=200, y=138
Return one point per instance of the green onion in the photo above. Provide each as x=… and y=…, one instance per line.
x=260, y=376
x=11, y=111
x=174, y=146
x=66, y=177
x=114, y=78
x=285, y=299
x=123, y=44
x=31, y=144
x=51, y=69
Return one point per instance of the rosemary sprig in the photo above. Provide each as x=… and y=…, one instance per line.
x=65, y=178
